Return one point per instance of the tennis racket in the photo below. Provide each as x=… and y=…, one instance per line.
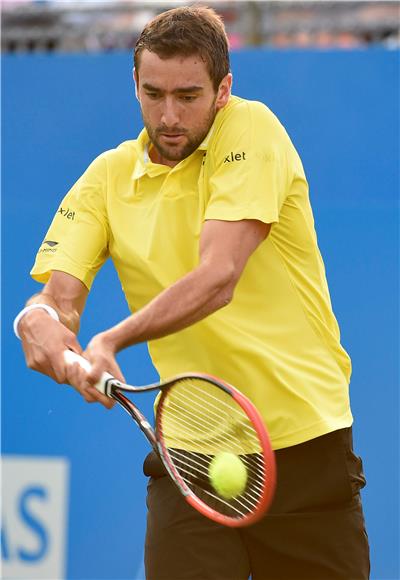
x=198, y=417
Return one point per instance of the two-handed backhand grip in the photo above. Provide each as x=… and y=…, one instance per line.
x=71, y=357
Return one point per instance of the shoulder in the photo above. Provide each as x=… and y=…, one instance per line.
x=249, y=124
x=118, y=161
x=240, y=110
x=122, y=156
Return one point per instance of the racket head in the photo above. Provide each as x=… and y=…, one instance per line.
x=199, y=417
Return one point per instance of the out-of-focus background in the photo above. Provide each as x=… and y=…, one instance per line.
x=73, y=494
x=93, y=26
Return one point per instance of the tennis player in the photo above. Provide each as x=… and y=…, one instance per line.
x=207, y=219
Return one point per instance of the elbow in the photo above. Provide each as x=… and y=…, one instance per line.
x=226, y=299
x=219, y=284
x=226, y=287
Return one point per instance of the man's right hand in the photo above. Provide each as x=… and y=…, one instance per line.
x=44, y=341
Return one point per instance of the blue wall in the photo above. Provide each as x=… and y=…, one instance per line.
x=341, y=111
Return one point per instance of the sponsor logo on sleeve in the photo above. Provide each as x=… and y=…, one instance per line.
x=67, y=213
x=48, y=246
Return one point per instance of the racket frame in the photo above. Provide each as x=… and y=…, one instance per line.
x=114, y=389
x=266, y=450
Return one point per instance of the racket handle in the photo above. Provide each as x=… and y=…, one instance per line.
x=71, y=357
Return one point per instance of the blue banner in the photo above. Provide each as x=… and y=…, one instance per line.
x=74, y=502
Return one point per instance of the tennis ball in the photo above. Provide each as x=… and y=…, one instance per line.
x=228, y=475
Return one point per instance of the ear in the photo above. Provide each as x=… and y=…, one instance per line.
x=224, y=92
x=136, y=81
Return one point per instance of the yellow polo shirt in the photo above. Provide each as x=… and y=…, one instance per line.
x=278, y=340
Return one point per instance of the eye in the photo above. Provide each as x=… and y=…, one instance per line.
x=152, y=95
x=188, y=98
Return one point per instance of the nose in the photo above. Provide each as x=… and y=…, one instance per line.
x=170, y=113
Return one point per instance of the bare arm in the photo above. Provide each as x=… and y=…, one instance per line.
x=45, y=339
x=225, y=248
x=66, y=294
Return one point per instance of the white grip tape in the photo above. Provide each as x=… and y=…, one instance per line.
x=72, y=357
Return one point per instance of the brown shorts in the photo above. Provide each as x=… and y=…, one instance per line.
x=314, y=530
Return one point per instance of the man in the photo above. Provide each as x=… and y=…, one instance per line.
x=207, y=219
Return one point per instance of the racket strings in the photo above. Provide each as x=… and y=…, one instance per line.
x=198, y=421
x=207, y=400
x=215, y=415
x=201, y=410
x=202, y=461
x=176, y=422
x=196, y=481
x=189, y=476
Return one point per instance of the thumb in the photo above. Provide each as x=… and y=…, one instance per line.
x=101, y=365
x=73, y=344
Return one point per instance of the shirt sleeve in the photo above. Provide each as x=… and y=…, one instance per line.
x=249, y=178
x=77, y=240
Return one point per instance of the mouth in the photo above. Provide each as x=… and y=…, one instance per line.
x=172, y=137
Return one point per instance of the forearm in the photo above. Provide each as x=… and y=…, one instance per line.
x=192, y=298
x=68, y=315
x=65, y=294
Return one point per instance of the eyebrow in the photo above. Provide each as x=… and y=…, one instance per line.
x=180, y=90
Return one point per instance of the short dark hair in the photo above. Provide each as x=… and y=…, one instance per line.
x=187, y=31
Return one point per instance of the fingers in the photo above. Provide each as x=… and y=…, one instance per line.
x=83, y=383
x=97, y=397
x=47, y=358
x=44, y=342
x=102, y=361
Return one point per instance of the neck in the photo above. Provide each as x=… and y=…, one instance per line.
x=156, y=157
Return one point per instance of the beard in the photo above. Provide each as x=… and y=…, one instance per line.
x=190, y=141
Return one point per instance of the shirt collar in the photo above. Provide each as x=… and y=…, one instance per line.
x=204, y=145
x=143, y=164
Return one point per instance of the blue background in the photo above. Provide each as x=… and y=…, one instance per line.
x=341, y=111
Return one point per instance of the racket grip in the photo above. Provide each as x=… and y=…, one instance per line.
x=71, y=357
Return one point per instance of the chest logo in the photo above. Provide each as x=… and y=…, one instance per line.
x=235, y=157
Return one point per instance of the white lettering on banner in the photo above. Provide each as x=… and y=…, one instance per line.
x=34, y=511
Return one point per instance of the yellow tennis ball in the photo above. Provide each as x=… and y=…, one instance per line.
x=228, y=475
